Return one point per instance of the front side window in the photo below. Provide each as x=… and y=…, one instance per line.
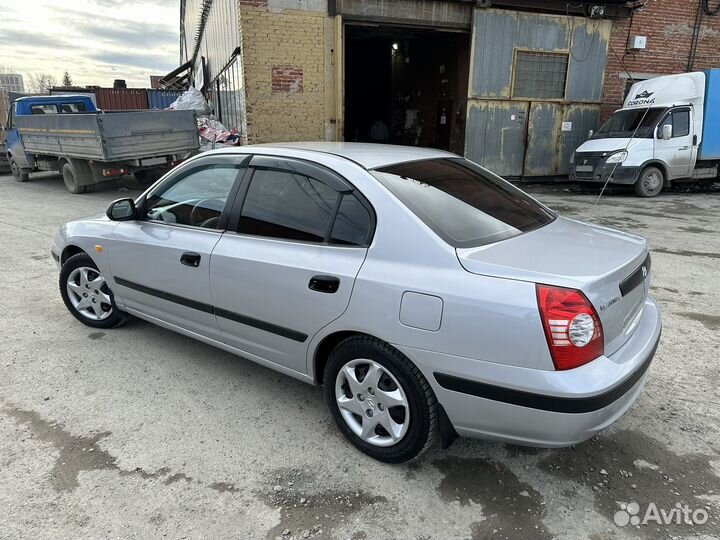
x=680, y=122
x=196, y=198
x=625, y=124
x=462, y=203
x=287, y=205
x=44, y=109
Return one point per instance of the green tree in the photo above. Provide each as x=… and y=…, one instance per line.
x=67, y=80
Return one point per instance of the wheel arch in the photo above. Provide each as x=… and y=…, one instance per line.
x=659, y=165
x=69, y=251
x=325, y=347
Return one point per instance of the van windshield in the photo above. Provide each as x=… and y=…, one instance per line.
x=625, y=124
x=466, y=205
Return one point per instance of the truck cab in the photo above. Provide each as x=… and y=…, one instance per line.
x=656, y=138
x=37, y=105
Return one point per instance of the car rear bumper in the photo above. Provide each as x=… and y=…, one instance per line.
x=537, y=407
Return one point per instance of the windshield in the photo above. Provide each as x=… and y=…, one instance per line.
x=466, y=205
x=622, y=124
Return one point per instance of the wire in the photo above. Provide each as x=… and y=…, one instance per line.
x=571, y=29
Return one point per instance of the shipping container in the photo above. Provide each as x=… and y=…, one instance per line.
x=121, y=99
x=161, y=99
x=710, y=147
x=75, y=91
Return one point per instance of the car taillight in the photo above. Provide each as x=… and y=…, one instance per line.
x=572, y=326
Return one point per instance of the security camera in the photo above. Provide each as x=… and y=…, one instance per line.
x=597, y=11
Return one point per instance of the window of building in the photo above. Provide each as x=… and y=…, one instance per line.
x=284, y=204
x=44, y=109
x=196, y=198
x=540, y=75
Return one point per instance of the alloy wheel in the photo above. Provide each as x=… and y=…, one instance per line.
x=89, y=294
x=372, y=402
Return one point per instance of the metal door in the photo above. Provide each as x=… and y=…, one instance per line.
x=495, y=135
x=272, y=294
x=541, y=153
x=677, y=153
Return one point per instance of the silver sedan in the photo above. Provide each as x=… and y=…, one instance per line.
x=427, y=295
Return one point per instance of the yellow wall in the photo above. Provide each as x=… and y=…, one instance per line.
x=296, y=39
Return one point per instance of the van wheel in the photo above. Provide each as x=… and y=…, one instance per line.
x=380, y=400
x=71, y=180
x=17, y=171
x=650, y=183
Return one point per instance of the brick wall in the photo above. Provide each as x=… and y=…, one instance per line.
x=668, y=25
x=286, y=87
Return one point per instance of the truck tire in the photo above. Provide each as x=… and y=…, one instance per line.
x=17, y=171
x=71, y=180
x=650, y=182
x=146, y=177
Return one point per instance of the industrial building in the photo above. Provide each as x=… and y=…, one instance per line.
x=12, y=82
x=515, y=85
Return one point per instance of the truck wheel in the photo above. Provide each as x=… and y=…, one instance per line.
x=145, y=177
x=650, y=183
x=17, y=171
x=70, y=179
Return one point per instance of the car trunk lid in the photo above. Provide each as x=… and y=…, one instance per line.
x=610, y=267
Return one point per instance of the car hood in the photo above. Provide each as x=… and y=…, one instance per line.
x=569, y=253
x=609, y=145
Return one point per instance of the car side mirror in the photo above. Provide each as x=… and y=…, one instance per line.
x=121, y=210
x=667, y=132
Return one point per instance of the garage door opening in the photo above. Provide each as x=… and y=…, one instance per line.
x=406, y=86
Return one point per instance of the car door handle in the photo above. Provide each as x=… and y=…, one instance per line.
x=324, y=284
x=190, y=259
x=684, y=148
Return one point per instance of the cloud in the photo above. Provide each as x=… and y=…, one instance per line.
x=95, y=40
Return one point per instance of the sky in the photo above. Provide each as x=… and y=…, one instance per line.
x=95, y=41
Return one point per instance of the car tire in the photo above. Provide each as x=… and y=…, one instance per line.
x=650, y=183
x=17, y=171
x=71, y=179
x=360, y=413
x=87, y=295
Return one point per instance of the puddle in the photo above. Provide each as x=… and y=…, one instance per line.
x=631, y=467
x=511, y=508
x=303, y=510
x=686, y=253
x=96, y=335
x=711, y=322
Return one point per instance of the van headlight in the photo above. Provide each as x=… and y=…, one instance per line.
x=618, y=157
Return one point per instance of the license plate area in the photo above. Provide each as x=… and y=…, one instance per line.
x=637, y=278
x=153, y=161
x=584, y=168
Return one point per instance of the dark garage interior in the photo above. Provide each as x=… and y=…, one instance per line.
x=406, y=85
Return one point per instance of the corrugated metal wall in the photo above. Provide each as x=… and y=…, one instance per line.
x=161, y=99
x=525, y=136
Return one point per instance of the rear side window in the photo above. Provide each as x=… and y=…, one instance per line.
x=288, y=205
x=462, y=203
x=352, y=223
x=73, y=107
x=44, y=109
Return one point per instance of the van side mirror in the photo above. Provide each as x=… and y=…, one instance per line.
x=667, y=132
x=590, y=134
x=121, y=210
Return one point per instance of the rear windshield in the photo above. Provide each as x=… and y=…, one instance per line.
x=466, y=205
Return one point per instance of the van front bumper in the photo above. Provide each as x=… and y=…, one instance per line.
x=542, y=408
x=608, y=173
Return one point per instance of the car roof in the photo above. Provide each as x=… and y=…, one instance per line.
x=53, y=97
x=368, y=155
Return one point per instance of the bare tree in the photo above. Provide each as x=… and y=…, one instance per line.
x=67, y=80
x=40, y=83
x=6, y=69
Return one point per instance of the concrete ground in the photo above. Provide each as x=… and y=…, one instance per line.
x=142, y=433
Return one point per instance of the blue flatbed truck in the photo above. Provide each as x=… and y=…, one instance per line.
x=69, y=135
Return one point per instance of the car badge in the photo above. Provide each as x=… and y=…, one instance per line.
x=644, y=271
